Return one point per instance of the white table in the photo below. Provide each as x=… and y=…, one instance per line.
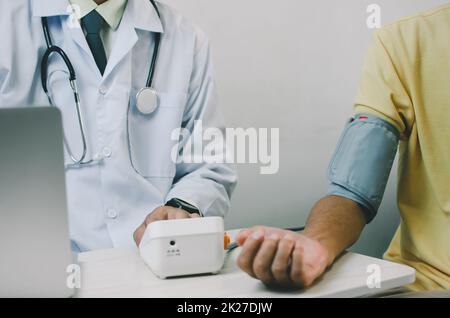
x=122, y=273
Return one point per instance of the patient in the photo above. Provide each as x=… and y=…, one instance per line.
x=403, y=99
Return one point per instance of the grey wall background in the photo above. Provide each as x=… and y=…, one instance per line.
x=293, y=65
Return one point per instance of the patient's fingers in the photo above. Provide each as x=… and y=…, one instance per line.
x=294, y=260
x=249, y=251
x=262, y=263
x=281, y=263
x=298, y=274
x=242, y=236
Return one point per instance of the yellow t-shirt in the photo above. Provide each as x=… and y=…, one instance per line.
x=406, y=81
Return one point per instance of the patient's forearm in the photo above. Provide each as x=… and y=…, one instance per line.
x=335, y=222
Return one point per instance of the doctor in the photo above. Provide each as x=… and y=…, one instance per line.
x=128, y=177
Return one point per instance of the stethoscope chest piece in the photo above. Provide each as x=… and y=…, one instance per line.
x=147, y=100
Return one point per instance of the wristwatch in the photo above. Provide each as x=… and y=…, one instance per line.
x=180, y=204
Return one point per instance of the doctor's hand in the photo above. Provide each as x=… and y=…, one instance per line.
x=281, y=258
x=160, y=214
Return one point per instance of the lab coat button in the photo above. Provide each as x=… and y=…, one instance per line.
x=107, y=152
x=103, y=90
x=112, y=214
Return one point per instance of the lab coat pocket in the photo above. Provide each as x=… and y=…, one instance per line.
x=151, y=141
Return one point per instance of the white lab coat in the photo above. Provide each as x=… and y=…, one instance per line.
x=107, y=201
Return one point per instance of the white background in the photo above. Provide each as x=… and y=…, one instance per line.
x=293, y=65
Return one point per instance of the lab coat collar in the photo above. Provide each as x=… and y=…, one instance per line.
x=139, y=14
x=50, y=8
x=145, y=16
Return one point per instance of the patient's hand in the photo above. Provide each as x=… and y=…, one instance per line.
x=159, y=214
x=281, y=258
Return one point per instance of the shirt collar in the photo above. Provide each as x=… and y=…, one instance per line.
x=111, y=10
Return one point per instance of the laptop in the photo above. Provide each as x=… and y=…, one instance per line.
x=35, y=252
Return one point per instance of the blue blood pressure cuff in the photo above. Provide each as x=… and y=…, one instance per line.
x=362, y=162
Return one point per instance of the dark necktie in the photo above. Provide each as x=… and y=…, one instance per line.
x=92, y=24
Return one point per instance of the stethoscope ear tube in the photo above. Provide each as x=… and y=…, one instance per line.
x=73, y=84
x=151, y=74
x=44, y=65
x=48, y=39
x=53, y=49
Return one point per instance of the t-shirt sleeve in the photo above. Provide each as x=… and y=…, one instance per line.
x=383, y=90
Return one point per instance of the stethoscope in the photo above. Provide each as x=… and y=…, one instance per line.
x=146, y=98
